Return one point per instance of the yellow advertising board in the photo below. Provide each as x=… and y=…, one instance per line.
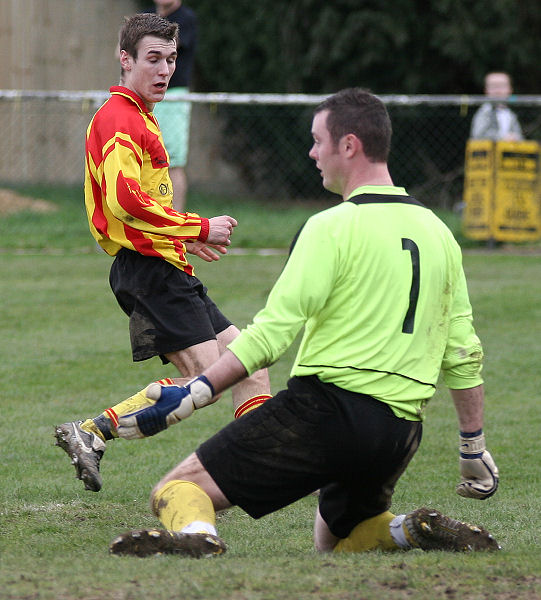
x=517, y=206
x=478, y=189
x=502, y=199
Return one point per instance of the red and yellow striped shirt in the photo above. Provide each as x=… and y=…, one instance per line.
x=128, y=191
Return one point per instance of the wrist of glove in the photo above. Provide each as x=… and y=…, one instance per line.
x=173, y=404
x=479, y=473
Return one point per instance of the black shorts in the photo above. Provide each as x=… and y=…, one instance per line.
x=313, y=436
x=169, y=310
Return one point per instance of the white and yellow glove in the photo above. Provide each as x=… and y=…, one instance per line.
x=477, y=468
x=173, y=404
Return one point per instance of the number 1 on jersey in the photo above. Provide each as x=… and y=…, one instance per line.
x=409, y=319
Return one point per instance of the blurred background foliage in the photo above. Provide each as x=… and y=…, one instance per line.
x=389, y=46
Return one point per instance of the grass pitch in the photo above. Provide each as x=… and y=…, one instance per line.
x=65, y=355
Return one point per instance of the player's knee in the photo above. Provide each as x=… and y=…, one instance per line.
x=324, y=545
x=324, y=540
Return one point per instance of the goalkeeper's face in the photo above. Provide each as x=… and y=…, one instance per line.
x=326, y=154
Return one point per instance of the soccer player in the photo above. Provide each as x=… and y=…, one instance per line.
x=128, y=197
x=378, y=284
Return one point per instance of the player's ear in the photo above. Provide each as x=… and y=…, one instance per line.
x=125, y=60
x=351, y=144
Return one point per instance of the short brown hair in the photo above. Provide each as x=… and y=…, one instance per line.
x=136, y=27
x=359, y=112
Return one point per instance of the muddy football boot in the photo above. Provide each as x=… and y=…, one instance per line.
x=428, y=529
x=149, y=542
x=85, y=450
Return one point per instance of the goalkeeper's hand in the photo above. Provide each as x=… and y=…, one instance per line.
x=173, y=404
x=477, y=468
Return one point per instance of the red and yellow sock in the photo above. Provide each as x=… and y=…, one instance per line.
x=104, y=425
x=251, y=404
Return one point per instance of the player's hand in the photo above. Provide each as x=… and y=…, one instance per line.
x=173, y=404
x=203, y=250
x=479, y=472
x=220, y=230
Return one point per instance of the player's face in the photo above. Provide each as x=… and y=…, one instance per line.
x=326, y=154
x=148, y=75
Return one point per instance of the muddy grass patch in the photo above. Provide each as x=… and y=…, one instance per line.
x=11, y=202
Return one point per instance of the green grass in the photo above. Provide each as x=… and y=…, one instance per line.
x=270, y=224
x=261, y=225
x=65, y=354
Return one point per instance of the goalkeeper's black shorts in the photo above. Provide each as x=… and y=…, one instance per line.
x=169, y=310
x=311, y=436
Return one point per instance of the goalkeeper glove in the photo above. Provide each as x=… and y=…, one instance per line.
x=173, y=404
x=477, y=468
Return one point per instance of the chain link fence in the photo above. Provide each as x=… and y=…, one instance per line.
x=254, y=145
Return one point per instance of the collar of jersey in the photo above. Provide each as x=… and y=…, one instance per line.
x=386, y=190
x=124, y=91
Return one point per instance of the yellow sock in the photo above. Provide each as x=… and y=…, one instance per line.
x=250, y=404
x=179, y=503
x=104, y=425
x=372, y=534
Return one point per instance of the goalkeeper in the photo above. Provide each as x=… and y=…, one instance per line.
x=378, y=285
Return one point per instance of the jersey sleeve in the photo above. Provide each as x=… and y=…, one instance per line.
x=301, y=291
x=122, y=163
x=463, y=357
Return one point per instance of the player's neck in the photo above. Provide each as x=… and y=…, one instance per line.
x=373, y=174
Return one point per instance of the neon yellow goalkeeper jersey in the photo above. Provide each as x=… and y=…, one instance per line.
x=378, y=284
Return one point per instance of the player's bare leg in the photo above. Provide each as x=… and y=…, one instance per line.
x=252, y=391
x=324, y=540
x=191, y=362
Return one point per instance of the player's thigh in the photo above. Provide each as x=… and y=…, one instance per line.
x=192, y=361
